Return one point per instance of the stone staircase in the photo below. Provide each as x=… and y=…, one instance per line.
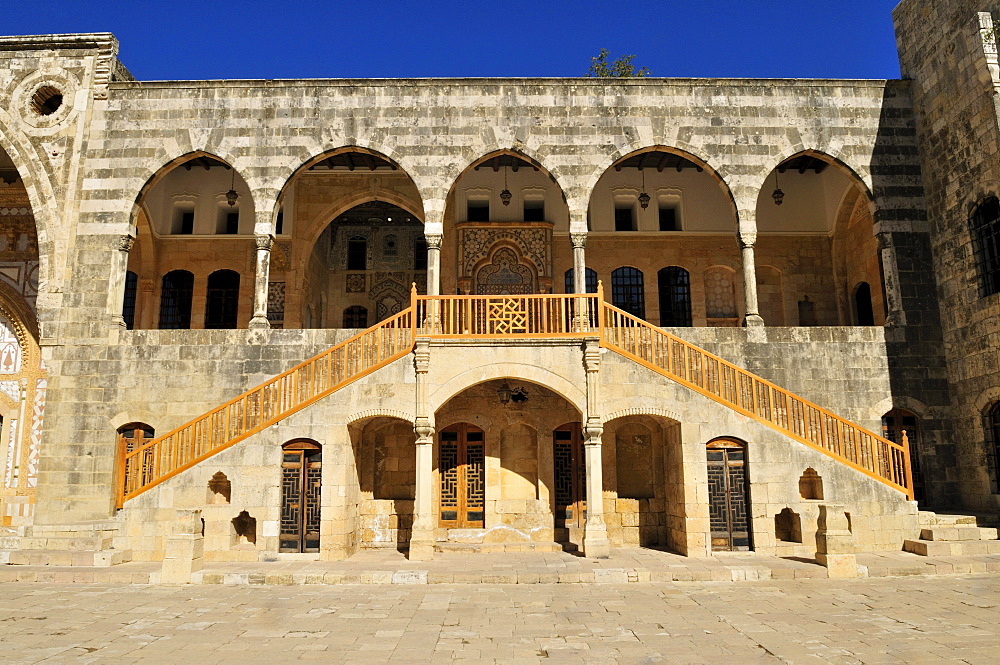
x=82, y=544
x=954, y=535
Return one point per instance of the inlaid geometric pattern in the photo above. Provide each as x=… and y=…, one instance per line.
x=313, y=473
x=10, y=350
x=507, y=316
x=449, y=481
x=727, y=496
x=35, y=444
x=11, y=467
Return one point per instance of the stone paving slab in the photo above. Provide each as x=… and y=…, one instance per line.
x=625, y=566
x=943, y=620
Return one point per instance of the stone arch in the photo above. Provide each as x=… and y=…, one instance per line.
x=356, y=418
x=474, y=376
x=830, y=155
x=643, y=411
x=39, y=189
x=471, y=156
x=719, y=174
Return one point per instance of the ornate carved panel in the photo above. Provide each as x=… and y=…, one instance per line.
x=478, y=241
x=505, y=275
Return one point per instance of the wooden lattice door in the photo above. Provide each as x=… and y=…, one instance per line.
x=301, y=471
x=463, y=476
x=727, y=496
x=570, y=476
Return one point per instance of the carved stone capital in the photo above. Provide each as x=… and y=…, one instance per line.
x=424, y=431
x=422, y=355
x=884, y=240
x=579, y=240
x=592, y=356
x=593, y=432
x=433, y=240
x=746, y=240
x=264, y=242
x=125, y=243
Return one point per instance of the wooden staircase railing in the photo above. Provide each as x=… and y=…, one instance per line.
x=165, y=456
x=746, y=393
x=510, y=317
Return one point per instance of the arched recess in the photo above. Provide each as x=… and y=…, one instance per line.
x=729, y=495
x=504, y=197
x=504, y=272
x=196, y=214
x=385, y=461
x=350, y=193
x=662, y=206
x=815, y=222
x=20, y=259
x=25, y=188
x=22, y=407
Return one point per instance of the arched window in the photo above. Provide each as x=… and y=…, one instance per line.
x=589, y=275
x=894, y=423
x=356, y=317
x=991, y=430
x=175, y=300
x=864, y=314
x=223, y=299
x=674, y=285
x=357, y=254
x=389, y=246
x=984, y=226
x=132, y=436
x=627, y=291
x=128, y=302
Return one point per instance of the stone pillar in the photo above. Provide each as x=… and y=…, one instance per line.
x=895, y=315
x=835, y=543
x=185, y=548
x=433, y=263
x=579, y=241
x=119, y=266
x=595, y=536
x=422, y=533
x=259, y=320
x=752, y=316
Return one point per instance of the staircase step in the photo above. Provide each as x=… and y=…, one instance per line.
x=958, y=533
x=77, y=543
x=952, y=548
x=95, y=558
x=490, y=548
x=929, y=519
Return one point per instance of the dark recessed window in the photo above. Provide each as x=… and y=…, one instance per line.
x=534, y=211
x=478, y=211
x=627, y=291
x=356, y=317
x=222, y=301
x=984, y=224
x=279, y=223
x=357, y=254
x=668, y=219
x=232, y=222
x=420, y=254
x=185, y=222
x=175, y=300
x=128, y=303
x=624, y=219
x=674, y=285
x=590, y=277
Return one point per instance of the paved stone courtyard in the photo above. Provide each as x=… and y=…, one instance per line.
x=942, y=619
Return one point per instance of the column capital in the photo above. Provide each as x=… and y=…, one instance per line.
x=263, y=241
x=884, y=239
x=424, y=431
x=433, y=240
x=579, y=240
x=422, y=355
x=592, y=355
x=125, y=242
x=746, y=240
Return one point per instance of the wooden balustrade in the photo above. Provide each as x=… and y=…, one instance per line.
x=510, y=317
x=753, y=396
x=165, y=456
x=507, y=316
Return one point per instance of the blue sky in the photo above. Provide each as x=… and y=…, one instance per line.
x=404, y=38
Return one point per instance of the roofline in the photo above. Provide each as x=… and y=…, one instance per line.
x=102, y=41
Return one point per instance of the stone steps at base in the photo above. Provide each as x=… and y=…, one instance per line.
x=480, y=548
x=958, y=533
x=928, y=518
x=60, y=543
x=92, y=558
x=951, y=548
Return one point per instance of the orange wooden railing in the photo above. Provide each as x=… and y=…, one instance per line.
x=165, y=456
x=753, y=396
x=511, y=317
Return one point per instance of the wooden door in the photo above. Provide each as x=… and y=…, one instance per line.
x=570, y=476
x=301, y=471
x=728, y=496
x=461, y=468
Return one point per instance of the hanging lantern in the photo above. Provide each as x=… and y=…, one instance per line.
x=505, y=195
x=777, y=194
x=232, y=195
x=644, y=197
x=504, y=392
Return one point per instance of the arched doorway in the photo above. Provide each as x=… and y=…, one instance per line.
x=728, y=495
x=462, y=456
x=569, y=482
x=351, y=235
x=504, y=220
x=301, y=480
x=193, y=219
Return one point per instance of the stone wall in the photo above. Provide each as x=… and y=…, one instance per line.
x=955, y=83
